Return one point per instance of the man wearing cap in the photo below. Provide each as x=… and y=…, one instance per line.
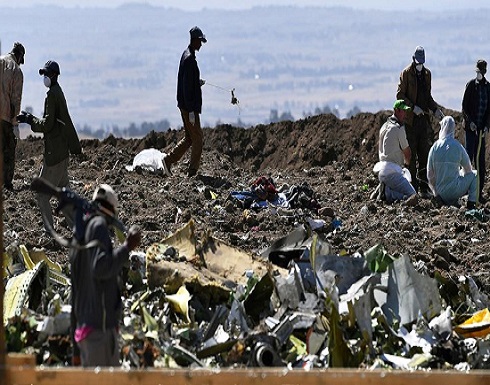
x=60, y=140
x=449, y=171
x=476, y=114
x=95, y=275
x=414, y=88
x=394, y=154
x=189, y=101
x=11, y=83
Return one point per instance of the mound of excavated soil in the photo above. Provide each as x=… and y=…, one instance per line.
x=334, y=157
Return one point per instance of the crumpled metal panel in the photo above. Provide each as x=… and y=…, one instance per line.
x=24, y=290
x=36, y=256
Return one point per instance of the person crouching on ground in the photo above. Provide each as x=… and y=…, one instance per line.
x=394, y=153
x=449, y=169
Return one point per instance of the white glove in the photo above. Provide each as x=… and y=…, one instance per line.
x=202, y=82
x=438, y=113
x=16, y=131
x=192, y=117
x=417, y=110
x=472, y=126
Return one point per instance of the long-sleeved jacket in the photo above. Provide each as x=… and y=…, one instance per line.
x=189, y=94
x=407, y=90
x=95, y=272
x=471, y=103
x=60, y=135
x=11, y=83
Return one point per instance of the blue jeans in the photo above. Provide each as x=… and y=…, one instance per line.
x=397, y=187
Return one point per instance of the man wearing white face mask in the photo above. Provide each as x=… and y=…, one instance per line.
x=476, y=114
x=60, y=139
x=414, y=88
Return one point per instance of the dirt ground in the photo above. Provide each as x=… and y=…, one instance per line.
x=334, y=157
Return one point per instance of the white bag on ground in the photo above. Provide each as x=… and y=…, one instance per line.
x=149, y=159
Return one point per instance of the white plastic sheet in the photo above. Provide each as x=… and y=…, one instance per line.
x=149, y=159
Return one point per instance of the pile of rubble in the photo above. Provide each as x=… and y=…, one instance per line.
x=203, y=303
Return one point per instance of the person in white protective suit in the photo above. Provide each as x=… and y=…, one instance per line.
x=449, y=170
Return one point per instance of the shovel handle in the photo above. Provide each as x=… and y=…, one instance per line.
x=43, y=186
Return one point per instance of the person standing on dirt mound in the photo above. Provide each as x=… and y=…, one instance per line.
x=60, y=139
x=189, y=101
x=394, y=152
x=11, y=83
x=476, y=114
x=446, y=158
x=414, y=88
x=95, y=276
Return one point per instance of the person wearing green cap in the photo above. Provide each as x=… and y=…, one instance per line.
x=394, y=156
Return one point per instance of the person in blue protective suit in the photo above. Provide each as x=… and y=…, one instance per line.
x=449, y=170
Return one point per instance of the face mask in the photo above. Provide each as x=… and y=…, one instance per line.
x=419, y=67
x=47, y=81
x=479, y=76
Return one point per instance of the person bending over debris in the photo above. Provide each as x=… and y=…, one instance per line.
x=446, y=157
x=189, y=101
x=394, y=153
x=414, y=88
x=60, y=140
x=96, y=296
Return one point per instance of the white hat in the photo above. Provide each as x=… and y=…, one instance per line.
x=106, y=193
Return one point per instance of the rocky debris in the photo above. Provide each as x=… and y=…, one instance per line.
x=333, y=157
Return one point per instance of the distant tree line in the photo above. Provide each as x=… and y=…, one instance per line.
x=132, y=131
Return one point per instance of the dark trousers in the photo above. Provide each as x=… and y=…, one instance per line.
x=9, y=143
x=100, y=348
x=471, y=145
x=419, y=139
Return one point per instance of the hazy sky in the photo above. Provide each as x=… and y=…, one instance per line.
x=193, y=5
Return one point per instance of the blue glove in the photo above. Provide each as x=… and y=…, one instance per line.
x=192, y=117
x=438, y=113
x=417, y=110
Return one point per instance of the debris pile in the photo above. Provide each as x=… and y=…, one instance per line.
x=249, y=272
x=202, y=303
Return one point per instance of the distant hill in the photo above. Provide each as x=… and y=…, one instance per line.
x=118, y=66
